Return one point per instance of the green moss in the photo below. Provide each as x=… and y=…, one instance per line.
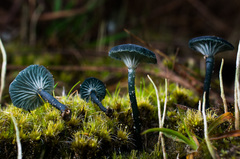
x=90, y=133
x=84, y=144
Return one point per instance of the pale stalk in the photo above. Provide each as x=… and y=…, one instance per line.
x=4, y=66
x=199, y=105
x=209, y=145
x=165, y=102
x=222, y=89
x=236, y=103
x=236, y=90
x=160, y=120
x=158, y=104
x=19, y=146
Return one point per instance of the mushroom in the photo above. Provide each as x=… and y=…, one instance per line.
x=33, y=84
x=132, y=55
x=209, y=46
x=94, y=89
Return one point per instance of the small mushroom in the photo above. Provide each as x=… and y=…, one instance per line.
x=209, y=46
x=94, y=89
x=132, y=55
x=33, y=84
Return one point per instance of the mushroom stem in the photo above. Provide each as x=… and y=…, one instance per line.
x=97, y=101
x=135, y=111
x=208, y=76
x=65, y=111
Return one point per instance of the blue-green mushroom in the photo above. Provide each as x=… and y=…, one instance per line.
x=33, y=85
x=209, y=46
x=132, y=55
x=95, y=90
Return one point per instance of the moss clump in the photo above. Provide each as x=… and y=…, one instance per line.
x=90, y=133
x=85, y=145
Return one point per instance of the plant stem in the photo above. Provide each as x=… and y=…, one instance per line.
x=165, y=101
x=65, y=112
x=17, y=137
x=19, y=146
x=222, y=89
x=208, y=76
x=97, y=101
x=135, y=111
x=236, y=89
x=159, y=108
x=160, y=119
x=209, y=145
x=3, y=73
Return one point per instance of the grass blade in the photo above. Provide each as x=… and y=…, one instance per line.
x=174, y=135
x=72, y=88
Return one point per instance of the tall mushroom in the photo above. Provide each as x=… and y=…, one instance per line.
x=132, y=55
x=209, y=46
x=94, y=89
x=33, y=84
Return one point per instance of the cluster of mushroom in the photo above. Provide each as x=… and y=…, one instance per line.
x=35, y=83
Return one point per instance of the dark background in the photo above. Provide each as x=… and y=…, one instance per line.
x=72, y=37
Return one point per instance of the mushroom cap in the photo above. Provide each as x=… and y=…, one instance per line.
x=209, y=45
x=132, y=54
x=92, y=84
x=24, y=88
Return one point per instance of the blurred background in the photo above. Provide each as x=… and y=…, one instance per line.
x=72, y=39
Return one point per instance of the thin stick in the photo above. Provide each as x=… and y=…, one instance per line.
x=236, y=106
x=199, y=105
x=165, y=102
x=160, y=120
x=236, y=90
x=209, y=145
x=18, y=137
x=158, y=104
x=4, y=66
x=222, y=89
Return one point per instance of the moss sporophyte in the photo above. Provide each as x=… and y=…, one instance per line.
x=209, y=46
x=94, y=89
x=132, y=55
x=33, y=85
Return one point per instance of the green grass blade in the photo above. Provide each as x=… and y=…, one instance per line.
x=72, y=88
x=174, y=135
x=108, y=93
x=117, y=90
x=54, y=89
